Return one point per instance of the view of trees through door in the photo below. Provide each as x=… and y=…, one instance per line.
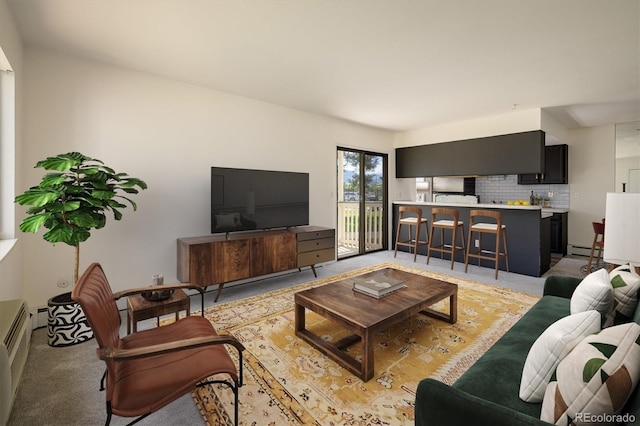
x=362, y=189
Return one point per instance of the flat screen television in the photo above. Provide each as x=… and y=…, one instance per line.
x=245, y=199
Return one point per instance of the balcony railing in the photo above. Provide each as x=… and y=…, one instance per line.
x=349, y=225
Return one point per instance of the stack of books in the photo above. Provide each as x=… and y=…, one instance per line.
x=377, y=287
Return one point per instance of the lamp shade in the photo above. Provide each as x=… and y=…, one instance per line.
x=622, y=228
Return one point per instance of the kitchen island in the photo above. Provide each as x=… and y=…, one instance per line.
x=528, y=234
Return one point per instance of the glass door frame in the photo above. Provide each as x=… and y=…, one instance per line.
x=363, y=220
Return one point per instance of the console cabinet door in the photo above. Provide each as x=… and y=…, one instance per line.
x=199, y=264
x=273, y=253
x=231, y=260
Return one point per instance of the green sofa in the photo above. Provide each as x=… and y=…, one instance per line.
x=487, y=393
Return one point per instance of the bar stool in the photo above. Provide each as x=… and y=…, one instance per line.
x=598, y=243
x=453, y=224
x=498, y=229
x=411, y=216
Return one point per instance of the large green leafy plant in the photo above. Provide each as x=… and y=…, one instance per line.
x=74, y=199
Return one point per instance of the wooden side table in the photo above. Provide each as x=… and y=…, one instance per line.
x=138, y=308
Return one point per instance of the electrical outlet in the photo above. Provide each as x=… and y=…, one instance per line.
x=63, y=282
x=477, y=243
x=550, y=194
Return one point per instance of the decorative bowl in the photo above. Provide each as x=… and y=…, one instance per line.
x=157, y=295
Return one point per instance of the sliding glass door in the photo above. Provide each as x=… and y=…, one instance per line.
x=362, y=190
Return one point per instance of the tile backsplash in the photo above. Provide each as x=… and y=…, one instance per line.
x=503, y=188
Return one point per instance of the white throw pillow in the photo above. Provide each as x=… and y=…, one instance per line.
x=550, y=348
x=596, y=378
x=626, y=284
x=595, y=292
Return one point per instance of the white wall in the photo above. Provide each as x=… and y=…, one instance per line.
x=11, y=263
x=512, y=122
x=169, y=134
x=591, y=176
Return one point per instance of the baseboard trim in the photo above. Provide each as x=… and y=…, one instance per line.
x=579, y=250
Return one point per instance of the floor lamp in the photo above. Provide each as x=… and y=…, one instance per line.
x=622, y=229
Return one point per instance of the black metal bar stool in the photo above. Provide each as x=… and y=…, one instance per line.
x=496, y=228
x=411, y=216
x=443, y=224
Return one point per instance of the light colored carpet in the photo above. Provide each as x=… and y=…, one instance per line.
x=60, y=385
x=574, y=266
x=289, y=382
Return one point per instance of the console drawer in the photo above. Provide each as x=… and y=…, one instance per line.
x=310, y=245
x=316, y=256
x=316, y=235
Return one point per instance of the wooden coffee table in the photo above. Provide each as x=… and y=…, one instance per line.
x=366, y=315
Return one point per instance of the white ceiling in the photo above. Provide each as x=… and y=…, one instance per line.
x=391, y=64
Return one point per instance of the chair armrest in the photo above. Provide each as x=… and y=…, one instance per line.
x=138, y=290
x=115, y=354
x=556, y=285
x=440, y=405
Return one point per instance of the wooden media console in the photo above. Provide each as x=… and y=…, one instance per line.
x=221, y=258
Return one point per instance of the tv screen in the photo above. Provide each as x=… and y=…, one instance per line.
x=244, y=199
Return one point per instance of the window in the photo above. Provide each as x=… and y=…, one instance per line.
x=7, y=149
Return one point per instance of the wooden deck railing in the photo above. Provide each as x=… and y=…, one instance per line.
x=349, y=229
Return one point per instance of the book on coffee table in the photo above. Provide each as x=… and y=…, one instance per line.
x=377, y=287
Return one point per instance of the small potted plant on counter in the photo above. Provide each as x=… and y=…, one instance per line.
x=72, y=199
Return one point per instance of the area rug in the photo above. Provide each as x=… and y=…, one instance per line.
x=288, y=382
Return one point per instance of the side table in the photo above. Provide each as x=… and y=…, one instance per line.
x=138, y=308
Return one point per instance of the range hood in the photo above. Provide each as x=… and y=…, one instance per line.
x=448, y=185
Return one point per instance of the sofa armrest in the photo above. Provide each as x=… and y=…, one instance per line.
x=556, y=285
x=440, y=405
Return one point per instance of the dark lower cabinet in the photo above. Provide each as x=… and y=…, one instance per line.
x=559, y=233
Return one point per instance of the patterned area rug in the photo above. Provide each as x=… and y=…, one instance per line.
x=287, y=382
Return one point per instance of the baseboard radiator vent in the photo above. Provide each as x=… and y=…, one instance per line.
x=15, y=337
x=579, y=251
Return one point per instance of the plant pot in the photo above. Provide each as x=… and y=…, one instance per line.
x=66, y=322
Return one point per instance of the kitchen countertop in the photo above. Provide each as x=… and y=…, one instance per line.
x=544, y=211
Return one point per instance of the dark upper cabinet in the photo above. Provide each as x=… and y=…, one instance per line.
x=494, y=155
x=556, y=168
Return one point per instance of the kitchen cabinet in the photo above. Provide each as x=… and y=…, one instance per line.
x=495, y=155
x=559, y=233
x=556, y=168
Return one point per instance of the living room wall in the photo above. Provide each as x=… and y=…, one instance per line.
x=169, y=134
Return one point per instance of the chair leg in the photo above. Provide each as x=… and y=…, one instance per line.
x=498, y=235
x=416, y=242
x=506, y=252
x=593, y=247
x=466, y=257
x=453, y=244
x=430, y=244
x=104, y=377
x=397, y=239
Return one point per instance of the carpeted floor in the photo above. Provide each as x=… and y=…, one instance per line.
x=60, y=385
x=574, y=266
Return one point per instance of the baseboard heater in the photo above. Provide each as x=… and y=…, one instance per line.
x=579, y=250
x=15, y=337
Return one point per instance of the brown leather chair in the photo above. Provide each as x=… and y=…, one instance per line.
x=149, y=369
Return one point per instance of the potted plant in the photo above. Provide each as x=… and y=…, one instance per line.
x=70, y=201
